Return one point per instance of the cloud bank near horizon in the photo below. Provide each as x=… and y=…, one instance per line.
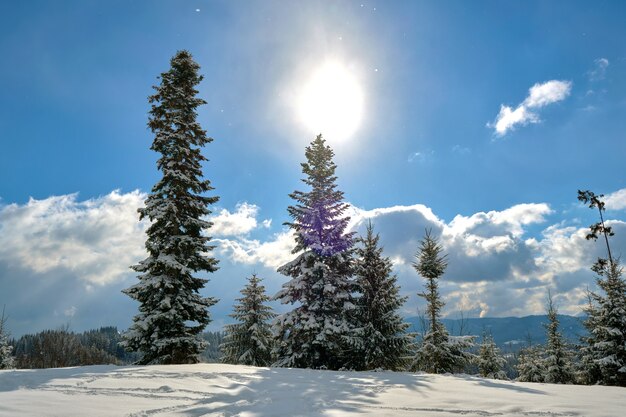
x=65, y=259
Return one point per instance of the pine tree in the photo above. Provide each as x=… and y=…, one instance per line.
x=313, y=334
x=558, y=368
x=490, y=362
x=172, y=313
x=604, y=352
x=587, y=370
x=606, y=323
x=7, y=361
x=437, y=352
x=249, y=342
x=531, y=364
x=380, y=337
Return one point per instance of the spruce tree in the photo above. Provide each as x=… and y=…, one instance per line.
x=606, y=324
x=604, y=351
x=489, y=360
x=557, y=363
x=380, y=339
x=314, y=333
x=437, y=352
x=7, y=361
x=172, y=313
x=531, y=364
x=249, y=342
x=587, y=369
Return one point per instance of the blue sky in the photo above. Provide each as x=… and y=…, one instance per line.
x=480, y=120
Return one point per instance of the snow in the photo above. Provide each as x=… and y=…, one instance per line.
x=233, y=390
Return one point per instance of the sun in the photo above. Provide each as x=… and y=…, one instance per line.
x=331, y=102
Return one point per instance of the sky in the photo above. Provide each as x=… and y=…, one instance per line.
x=478, y=120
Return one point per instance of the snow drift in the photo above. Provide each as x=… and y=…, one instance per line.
x=228, y=390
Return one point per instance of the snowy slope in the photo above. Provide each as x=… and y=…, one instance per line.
x=226, y=390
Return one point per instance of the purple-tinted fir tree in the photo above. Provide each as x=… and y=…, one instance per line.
x=380, y=339
x=172, y=313
x=313, y=334
x=249, y=341
x=604, y=350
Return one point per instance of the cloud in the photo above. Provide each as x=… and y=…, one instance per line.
x=599, y=70
x=508, y=118
x=565, y=255
x=563, y=249
x=509, y=222
x=496, y=265
x=95, y=240
x=421, y=213
x=484, y=240
x=482, y=247
x=63, y=259
x=419, y=156
x=241, y=222
x=616, y=200
x=489, y=260
x=272, y=254
x=539, y=95
x=232, y=238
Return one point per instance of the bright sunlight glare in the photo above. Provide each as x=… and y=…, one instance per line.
x=331, y=102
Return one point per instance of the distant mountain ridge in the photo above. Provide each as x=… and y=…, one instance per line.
x=509, y=330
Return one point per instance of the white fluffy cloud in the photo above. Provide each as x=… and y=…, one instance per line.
x=616, y=200
x=507, y=222
x=539, y=95
x=98, y=239
x=272, y=254
x=239, y=223
x=508, y=118
x=491, y=268
x=495, y=266
x=95, y=240
x=62, y=259
x=71, y=257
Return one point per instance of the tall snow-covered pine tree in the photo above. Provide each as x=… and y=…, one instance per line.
x=380, y=338
x=437, y=352
x=249, y=342
x=172, y=313
x=313, y=334
x=604, y=353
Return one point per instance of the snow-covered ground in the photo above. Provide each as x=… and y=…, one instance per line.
x=226, y=390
